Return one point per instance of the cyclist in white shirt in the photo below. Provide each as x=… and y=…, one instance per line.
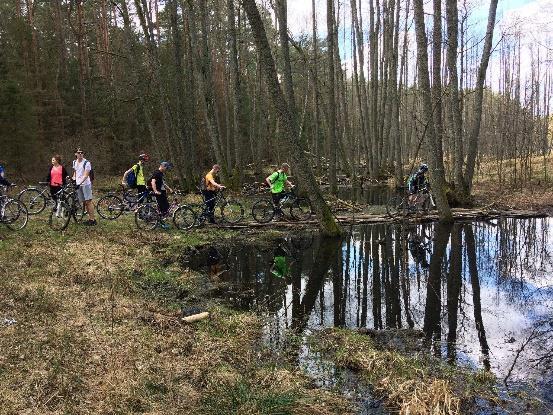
x=81, y=176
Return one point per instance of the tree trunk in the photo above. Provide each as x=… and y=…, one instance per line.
x=289, y=126
x=434, y=149
x=475, y=132
x=236, y=93
x=332, y=137
x=452, y=14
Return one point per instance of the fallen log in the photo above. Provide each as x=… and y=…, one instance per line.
x=360, y=218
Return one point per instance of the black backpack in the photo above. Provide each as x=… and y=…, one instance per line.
x=203, y=184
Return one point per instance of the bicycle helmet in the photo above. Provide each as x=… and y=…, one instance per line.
x=144, y=157
x=423, y=167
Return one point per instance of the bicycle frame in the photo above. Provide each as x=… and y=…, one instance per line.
x=142, y=198
x=219, y=198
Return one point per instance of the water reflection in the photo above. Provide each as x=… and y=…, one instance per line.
x=476, y=290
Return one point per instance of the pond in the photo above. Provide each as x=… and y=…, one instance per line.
x=482, y=293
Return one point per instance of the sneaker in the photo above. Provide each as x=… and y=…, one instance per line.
x=165, y=226
x=90, y=222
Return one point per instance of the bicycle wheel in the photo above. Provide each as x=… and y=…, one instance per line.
x=109, y=207
x=60, y=216
x=396, y=205
x=263, y=211
x=184, y=218
x=77, y=209
x=301, y=209
x=147, y=217
x=15, y=215
x=33, y=199
x=232, y=212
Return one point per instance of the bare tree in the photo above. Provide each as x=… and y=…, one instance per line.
x=289, y=125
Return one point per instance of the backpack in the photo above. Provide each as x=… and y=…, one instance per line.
x=203, y=184
x=132, y=177
x=90, y=174
x=278, y=177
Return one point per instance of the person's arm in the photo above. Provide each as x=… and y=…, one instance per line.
x=270, y=179
x=74, y=175
x=217, y=185
x=86, y=173
x=154, y=187
x=64, y=176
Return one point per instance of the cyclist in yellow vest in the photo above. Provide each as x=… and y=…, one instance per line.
x=138, y=170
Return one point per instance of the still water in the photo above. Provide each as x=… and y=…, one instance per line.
x=480, y=292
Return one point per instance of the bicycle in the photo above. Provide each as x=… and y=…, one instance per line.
x=232, y=211
x=13, y=213
x=111, y=206
x=36, y=198
x=401, y=203
x=263, y=211
x=67, y=206
x=147, y=216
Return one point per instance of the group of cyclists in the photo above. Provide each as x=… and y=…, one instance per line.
x=82, y=176
x=135, y=177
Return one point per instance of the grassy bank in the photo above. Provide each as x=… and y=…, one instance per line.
x=97, y=330
x=411, y=383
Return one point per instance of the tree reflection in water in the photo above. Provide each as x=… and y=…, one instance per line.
x=483, y=284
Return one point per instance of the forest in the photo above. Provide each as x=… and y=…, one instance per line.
x=369, y=89
x=346, y=294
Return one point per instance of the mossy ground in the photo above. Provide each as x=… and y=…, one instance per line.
x=97, y=330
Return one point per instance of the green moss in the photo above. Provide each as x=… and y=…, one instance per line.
x=242, y=396
x=163, y=285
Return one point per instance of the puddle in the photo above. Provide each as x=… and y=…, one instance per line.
x=479, y=292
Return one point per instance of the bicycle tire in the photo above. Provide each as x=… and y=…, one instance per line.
x=263, y=211
x=301, y=209
x=147, y=217
x=395, y=205
x=77, y=208
x=33, y=199
x=16, y=216
x=232, y=212
x=184, y=218
x=60, y=216
x=109, y=207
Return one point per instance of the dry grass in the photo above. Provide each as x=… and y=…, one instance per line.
x=411, y=385
x=97, y=332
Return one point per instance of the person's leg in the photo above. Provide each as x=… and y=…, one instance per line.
x=210, y=196
x=140, y=191
x=163, y=203
x=54, y=193
x=276, y=203
x=85, y=196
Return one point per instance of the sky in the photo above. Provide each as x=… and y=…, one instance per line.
x=532, y=18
